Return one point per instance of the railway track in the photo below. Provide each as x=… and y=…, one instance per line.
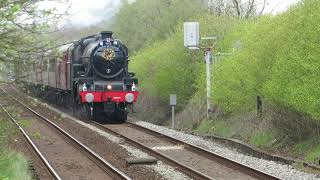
x=36, y=151
x=63, y=155
x=192, y=160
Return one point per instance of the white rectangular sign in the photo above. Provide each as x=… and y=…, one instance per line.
x=191, y=35
x=173, y=99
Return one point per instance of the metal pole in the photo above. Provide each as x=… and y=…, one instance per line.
x=172, y=117
x=207, y=58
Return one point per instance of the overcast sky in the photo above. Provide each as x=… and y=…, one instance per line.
x=278, y=6
x=90, y=12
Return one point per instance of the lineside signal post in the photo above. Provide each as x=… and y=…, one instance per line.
x=192, y=41
x=207, y=55
x=173, y=103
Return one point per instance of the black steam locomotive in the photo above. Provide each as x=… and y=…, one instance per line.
x=93, y=73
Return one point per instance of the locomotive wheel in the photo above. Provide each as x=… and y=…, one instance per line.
x=120, y=116
x=59, y=98
x=84, y=112
x=76, y=107
x=98, y=113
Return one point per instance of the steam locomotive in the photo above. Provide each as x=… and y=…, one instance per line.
x=91, y=75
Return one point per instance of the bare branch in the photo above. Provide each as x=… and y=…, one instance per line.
x=236, y=4
x=263, y=7
x=251, y=6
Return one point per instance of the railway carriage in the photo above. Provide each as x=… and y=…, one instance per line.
x=91, y=75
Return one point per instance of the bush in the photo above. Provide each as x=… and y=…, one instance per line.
x=294, y=81
x=143, y=22
x=274, y=57
x=167, y=67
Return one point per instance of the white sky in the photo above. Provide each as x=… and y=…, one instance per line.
x=90, y=12
x=84, y=12
x=277, y=6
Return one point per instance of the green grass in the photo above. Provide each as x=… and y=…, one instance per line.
x=14, y=111
x=313, y=154
x=309, y=149
x=262, y=139
x=301, y=147
x=25, y=123
x=7, y=130
x=36, y=135
x=61, y=116
x=220, y=128
x=205, y=127
x=13, y=166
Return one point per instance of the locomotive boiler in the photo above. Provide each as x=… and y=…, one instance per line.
x=92, y=74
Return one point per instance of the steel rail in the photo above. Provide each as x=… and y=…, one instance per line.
x=102, y=163
x=196, y=149
x=185, y=169
x=199, y=150
x=34, y=147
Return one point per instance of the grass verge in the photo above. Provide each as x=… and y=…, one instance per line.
x=262, y=139
x=13, y=165
x=310, y=149
x=219, y=127
x=264, y=133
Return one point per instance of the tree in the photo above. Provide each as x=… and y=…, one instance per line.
x=238, y=8
x=145, y=21
x=24, y=30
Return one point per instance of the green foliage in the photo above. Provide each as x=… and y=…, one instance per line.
x=23, y=28
x=274, y=57
x=238, y=78
x=262, y=139
x=310, y=149
x=167, y=67
x=6, y=131
x=295, y=76
x=217, y=127
x=37, y=135
x=13, y=166
x=313, y=154
x=18, y=21
x=144, y=22
x=25, y=123
x=15, y=111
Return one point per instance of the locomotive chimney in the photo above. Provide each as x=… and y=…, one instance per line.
x=106, y=34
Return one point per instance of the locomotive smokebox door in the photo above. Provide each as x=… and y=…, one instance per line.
x=191, y=35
